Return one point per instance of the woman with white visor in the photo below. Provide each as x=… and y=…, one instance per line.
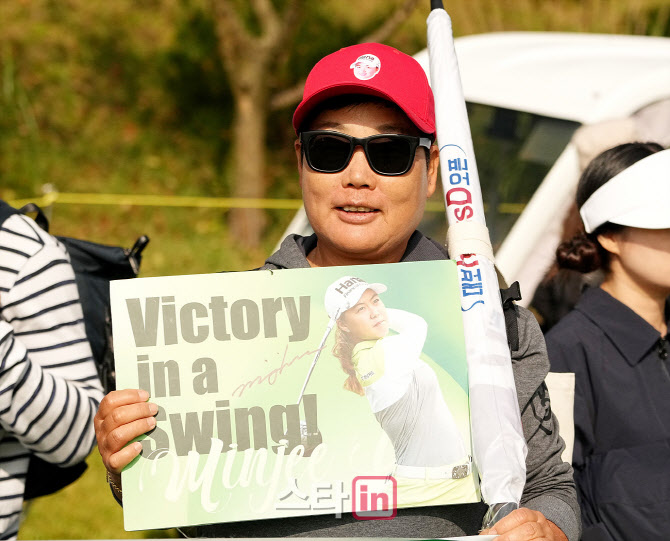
x=616, y=342
x=379, y=348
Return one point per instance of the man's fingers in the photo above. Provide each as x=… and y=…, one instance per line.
x=125, y=415
x=113, y=440
x=526, y=532
x=114, y=447
x=116, y=399
x=117, y=461
x=122, y=417
x=515, y=519
x=522, y=525
x=121, y=425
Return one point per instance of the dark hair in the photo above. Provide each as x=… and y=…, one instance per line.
x=583, y=252
x=351, y=101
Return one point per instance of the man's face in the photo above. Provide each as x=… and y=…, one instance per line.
x=365, y=71
x=358, y=215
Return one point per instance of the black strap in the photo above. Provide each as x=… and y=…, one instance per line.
x=40, y=218
x=508, y=296
x=6, y=210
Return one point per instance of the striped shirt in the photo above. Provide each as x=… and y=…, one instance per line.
x=49, y=388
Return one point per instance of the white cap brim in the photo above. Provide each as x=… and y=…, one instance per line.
x=639, y=196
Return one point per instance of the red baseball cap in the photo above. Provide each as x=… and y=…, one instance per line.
x=376, y=70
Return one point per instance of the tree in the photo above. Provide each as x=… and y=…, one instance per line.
x=252, y=43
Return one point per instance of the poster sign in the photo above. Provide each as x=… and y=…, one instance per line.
x=296, y=392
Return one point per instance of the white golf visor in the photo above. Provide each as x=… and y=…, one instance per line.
x=639, y=196
x=345, y=292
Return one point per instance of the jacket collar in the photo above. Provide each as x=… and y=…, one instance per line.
x=294, y=249
x=629, y=333
x=422, y=248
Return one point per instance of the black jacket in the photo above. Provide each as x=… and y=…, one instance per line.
x=622, y=417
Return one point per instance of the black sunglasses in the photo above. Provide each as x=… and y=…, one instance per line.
x=388, y=154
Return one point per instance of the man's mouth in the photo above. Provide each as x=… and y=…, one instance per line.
x=348, y=208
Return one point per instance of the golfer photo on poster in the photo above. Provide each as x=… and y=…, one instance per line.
x=254, y=422
x=379, y=348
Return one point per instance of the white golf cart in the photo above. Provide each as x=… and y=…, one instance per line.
x=541, y=105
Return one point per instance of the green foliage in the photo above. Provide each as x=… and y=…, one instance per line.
x=655, y=21
x=130, y=97
x=80, y=88
x=193, y=77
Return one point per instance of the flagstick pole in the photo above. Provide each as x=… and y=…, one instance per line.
x=498, y=442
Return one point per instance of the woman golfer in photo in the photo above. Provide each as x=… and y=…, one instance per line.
x=379, y=348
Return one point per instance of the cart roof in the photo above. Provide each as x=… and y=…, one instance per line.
x=582, y=77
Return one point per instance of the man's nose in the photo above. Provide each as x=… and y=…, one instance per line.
x=358, y=173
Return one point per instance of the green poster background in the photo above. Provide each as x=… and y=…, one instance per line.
x=168, y=485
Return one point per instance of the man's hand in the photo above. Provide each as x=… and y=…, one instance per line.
x=122, y=416
x=523, y=525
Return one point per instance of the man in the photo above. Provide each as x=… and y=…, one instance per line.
x=367, y=165
x=49, y=387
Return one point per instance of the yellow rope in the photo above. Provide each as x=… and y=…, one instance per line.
x=50, y=198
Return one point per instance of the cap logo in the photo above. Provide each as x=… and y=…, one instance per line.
x=366, y=67
x=344, y=286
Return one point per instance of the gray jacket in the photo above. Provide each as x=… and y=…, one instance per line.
x=549, y=483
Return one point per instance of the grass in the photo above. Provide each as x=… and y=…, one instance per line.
x=183, y=240
x=83, y=510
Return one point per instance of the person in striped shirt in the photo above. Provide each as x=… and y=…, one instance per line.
x=49, y=388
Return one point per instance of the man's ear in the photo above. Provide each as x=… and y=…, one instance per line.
x=433, y=167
